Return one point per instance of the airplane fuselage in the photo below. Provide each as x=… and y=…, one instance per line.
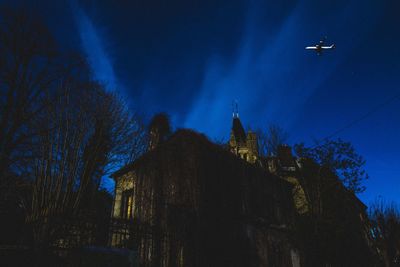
x=320, y=47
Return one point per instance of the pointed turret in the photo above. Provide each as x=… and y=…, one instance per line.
x=242, y=144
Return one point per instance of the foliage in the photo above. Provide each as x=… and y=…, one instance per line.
x=341, y=158
x=334, y=228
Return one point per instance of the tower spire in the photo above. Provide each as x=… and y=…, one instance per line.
x=235, y=109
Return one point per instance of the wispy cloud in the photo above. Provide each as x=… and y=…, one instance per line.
x=94, y=47
x=100, y=62
x=268, y=77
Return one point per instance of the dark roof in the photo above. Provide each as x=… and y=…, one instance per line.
x=182, y=135
x=188, y=141
x=238, y=130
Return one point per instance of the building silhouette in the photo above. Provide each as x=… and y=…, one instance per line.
x=190, y=202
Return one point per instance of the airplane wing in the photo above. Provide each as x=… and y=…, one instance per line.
x=326, y=47
x=311, y=47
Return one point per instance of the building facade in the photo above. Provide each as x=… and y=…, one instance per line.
x=190, y=202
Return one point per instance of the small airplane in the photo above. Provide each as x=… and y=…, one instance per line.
x=320, y=47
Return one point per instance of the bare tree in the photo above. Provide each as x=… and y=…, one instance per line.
x=86, y=133
x=385, y=222
x=270, y=139
x=30, y=66
x=59, y=130
x=23, y=44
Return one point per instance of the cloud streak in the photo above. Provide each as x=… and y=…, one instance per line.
x=94, y=47
x=268, y=77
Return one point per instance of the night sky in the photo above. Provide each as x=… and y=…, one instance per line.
x=192, y=59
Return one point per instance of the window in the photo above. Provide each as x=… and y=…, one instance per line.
x=127, y=205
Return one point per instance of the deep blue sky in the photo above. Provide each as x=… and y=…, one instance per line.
x=193, y=58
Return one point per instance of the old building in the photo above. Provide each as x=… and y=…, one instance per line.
x=190, y=202
x=283, y=164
